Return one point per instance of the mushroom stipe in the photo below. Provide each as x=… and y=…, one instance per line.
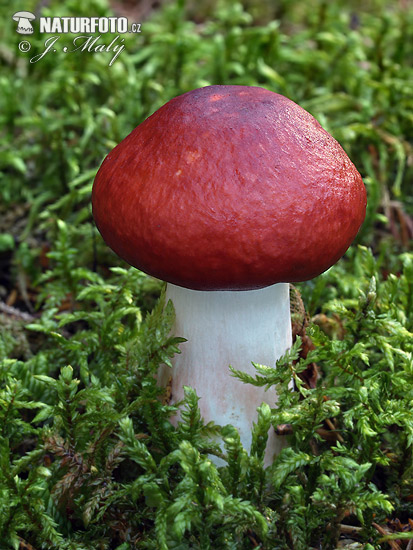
x=229, y=193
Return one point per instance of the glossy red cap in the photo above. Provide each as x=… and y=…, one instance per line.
x=229, y=188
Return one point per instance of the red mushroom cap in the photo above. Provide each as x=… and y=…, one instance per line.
x=229, y=188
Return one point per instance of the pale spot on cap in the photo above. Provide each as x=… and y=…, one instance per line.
x=191, y=156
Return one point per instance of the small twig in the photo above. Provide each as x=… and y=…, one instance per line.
x=14, y=312
x=410, y=545
x=347, y=371
x=23, y=545
x=252, y=539
x=393, y=544
x=350, y=530
x=334, y=429
x=22, y=286
x=12, y=298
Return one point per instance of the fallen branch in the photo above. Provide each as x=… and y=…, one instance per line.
x=350, y=530
x=393, y=544
x=14, y=312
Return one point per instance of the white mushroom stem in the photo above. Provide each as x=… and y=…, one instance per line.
x=234, y=328
x=25, y=26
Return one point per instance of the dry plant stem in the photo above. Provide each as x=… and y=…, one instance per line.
x=14, y=312
x=350, y=530
x=392, y=543
x=230, y=328
x=333, y=428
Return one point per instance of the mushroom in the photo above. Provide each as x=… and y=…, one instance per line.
x=24, y=17
x=229, y=193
